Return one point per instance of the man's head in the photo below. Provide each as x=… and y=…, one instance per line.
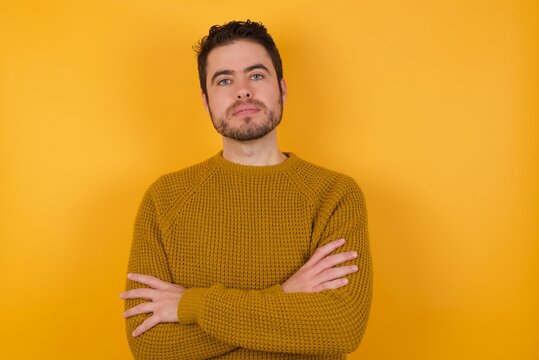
x=220, y=35
x=241, y=79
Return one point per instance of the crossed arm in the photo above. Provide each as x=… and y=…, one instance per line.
x=297, y=316
x=319, y=273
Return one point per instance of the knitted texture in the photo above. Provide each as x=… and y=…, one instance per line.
x=231, y=234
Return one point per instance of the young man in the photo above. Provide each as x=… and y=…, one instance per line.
x=236, y=257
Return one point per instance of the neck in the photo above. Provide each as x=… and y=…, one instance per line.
x=259, y=152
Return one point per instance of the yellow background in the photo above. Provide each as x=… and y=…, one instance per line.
x=430, y=105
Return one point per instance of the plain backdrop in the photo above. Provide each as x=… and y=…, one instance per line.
x=430, y=105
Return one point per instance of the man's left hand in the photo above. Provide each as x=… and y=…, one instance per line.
x=164, y=297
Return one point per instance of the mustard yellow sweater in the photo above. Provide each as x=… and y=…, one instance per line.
x=231, y=234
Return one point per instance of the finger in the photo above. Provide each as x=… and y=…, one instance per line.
x=143, y=308
x=333, y=260
x=146, y=325
x=329, y=285
x=142, y=293
x=335, y=273
x=149, y=280
x=324, y=251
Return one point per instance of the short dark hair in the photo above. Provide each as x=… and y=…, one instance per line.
x=225, y=34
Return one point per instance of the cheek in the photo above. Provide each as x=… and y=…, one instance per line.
x=271, y=93
x=215, y=102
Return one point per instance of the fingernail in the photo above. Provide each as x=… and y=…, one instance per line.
x=129, y=276
x=342, y=241
x=354, y=267
x=354, y=254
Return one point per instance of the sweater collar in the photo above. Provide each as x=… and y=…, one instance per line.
x=220, y=162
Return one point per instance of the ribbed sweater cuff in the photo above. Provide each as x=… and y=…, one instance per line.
x=190, y=306
x=274, y=289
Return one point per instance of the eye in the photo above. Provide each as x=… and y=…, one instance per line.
x=224, y=82
x=257, y=76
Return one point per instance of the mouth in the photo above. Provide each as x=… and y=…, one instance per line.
x=245, y=111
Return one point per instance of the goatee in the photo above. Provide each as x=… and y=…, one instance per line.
x=247, y=130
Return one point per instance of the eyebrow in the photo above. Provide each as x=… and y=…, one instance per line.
x=246, y=70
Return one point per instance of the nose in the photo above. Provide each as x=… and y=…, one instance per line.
x=244, y=93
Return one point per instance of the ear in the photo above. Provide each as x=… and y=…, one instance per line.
x=205, y=102
x=284, y=89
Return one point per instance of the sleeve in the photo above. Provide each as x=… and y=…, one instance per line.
x=169, y=340
x=331, y=321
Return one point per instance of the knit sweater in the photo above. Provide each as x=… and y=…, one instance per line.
x=231, y=234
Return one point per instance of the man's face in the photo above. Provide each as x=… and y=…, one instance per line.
x=243, y=96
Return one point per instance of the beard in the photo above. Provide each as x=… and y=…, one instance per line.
x=248, y=130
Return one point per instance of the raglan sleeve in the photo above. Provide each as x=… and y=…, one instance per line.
x=168, y=340
x=327, y=322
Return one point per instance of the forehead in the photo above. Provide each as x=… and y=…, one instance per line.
x=237, y=56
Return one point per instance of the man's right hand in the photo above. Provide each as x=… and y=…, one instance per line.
x=319, y=272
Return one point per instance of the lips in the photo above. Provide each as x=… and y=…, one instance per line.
x=247, y=109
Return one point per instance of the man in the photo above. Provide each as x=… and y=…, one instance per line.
x=235, y=257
